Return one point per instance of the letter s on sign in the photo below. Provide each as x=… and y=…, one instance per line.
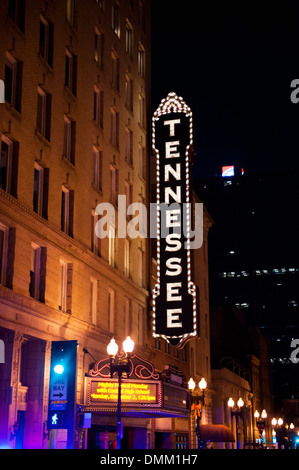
x=294, y=358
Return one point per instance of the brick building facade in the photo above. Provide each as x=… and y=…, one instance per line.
x=74, y=134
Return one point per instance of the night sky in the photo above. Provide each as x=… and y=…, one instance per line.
x=233, y=63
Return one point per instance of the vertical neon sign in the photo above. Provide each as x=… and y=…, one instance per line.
x=174, y=295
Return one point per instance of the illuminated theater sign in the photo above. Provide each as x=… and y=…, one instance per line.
x=133, y=392
x=144, y=393
x=174, y=295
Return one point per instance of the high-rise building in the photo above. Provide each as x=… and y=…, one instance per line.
x=74, y=137
x=253, y=259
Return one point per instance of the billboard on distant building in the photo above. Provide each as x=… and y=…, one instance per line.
x=228, y=170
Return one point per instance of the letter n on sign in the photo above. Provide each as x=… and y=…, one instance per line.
x=174, y=295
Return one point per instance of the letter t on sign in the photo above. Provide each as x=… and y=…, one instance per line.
x=171, y=124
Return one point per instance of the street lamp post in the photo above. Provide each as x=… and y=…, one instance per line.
x=120, y=366
x=277, y=430
x=237, y=413
x=261, y=424
x=198, y=402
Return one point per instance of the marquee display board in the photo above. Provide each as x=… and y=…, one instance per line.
x=174, y=295
x=102, y=393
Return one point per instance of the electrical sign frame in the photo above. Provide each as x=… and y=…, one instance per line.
x=174, y=294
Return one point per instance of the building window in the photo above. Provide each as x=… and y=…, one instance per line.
x=129, y=38
x=66, y=279
x=114, y=186
x=115, y=19
x=111, y=245
x=129, y=195
x=71, y=12
x=69, y=140
x=114, y=137
x=13, y=81
x=98, y=106
x=98, y=46
x=129, y=93
x=141, y=60
x=95, y=241
x=115, y=71
x=181, y=441
x=43, y=117
x=140, y=267
x=140, y=332
x=3, y=253
x=141, y=161
x=40, y=190
x=9, y=165
x=127, y=252
x=46, y=40
x=67, y=211
x=141, y=111
x=16, y=11
x=7, y=252
x=71, y=72
x=127, y=317
x=129, y=146
x=93, y=301
x=97, y=168
x=111, y=310
x=38, y=273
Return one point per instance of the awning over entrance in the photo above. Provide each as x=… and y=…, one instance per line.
x=216, y=433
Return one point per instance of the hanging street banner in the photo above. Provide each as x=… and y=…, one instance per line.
x=174, y=295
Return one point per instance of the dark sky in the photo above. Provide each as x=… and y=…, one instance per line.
x=233, y=63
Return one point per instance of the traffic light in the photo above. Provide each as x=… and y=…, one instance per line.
x=62, y=390
x=63, y=357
